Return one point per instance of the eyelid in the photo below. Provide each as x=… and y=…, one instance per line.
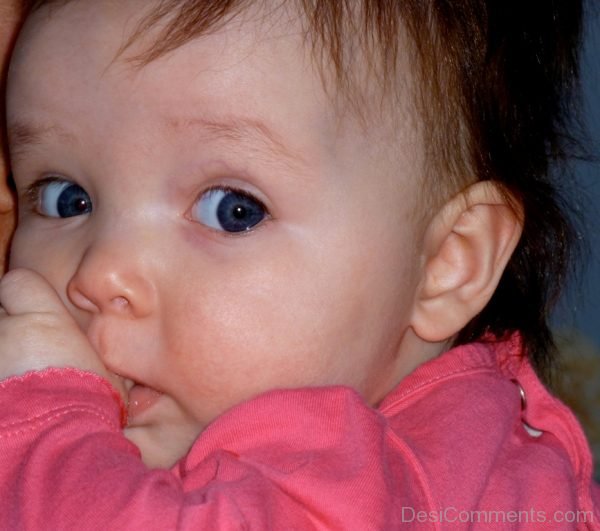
x=32, y=192
x=235, y=190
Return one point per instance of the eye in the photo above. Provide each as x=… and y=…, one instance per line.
x=57, y=198
x=229, y=210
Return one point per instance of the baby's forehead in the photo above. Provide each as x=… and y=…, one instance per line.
x=354, y=50
x=354, y=71
x=283, y=53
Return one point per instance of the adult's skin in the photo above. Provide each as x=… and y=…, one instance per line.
x=10, y=17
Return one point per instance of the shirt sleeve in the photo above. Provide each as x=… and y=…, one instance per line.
x=312, y=459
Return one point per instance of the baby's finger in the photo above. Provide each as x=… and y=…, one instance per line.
x=24, y=291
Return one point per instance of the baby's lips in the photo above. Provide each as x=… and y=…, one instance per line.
x=120, y=385
x=141, y=399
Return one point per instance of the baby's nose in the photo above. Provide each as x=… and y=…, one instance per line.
x=111, y=278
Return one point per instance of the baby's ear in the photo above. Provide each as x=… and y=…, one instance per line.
x=466, y=248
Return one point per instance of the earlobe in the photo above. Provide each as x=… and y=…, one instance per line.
x=466, y=249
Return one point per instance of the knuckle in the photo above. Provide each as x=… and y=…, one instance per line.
x=12, y=280
x=15, y=276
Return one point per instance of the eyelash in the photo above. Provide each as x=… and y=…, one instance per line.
x=32, y=192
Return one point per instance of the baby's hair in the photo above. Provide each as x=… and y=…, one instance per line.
x=497, y=86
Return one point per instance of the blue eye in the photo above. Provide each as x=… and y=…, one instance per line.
x=62, y=199
x=229, y=210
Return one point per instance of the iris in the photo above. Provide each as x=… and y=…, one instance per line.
x=229, y=210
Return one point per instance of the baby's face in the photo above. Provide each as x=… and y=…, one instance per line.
x=212, y=224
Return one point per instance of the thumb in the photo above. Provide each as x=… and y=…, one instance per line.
x=25, y=291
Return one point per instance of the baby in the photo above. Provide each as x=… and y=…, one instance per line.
x=280, y=265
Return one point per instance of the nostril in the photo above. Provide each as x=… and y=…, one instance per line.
x=119, y=303
x=81, y=301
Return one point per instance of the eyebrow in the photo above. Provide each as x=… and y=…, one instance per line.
x=240, y=130
x=23, y=134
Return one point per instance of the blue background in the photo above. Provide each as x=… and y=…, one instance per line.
x=580, y=307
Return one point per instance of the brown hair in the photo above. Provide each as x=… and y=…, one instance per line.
x=498, y=81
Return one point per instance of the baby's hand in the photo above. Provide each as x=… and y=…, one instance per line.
x=37, y=331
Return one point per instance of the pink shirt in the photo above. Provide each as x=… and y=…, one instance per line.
x=453, y=446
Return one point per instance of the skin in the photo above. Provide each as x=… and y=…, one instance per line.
x=10, y=18
x=324, y=291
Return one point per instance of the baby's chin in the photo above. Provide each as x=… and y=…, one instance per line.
x=162, y=446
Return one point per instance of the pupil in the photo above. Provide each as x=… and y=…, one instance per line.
x=239, y=212
x=81, y=205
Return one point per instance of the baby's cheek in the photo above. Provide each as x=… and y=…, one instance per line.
x=40, y=251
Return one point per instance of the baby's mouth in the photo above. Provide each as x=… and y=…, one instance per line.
x=141, y=399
